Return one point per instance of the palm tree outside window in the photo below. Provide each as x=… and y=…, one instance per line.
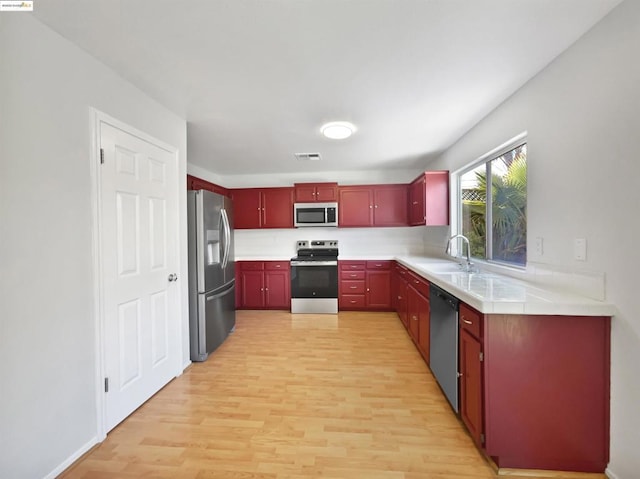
x=493, y=213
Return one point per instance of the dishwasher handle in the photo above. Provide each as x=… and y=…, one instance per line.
x=449, y=300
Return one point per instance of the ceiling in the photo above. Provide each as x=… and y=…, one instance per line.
x=255, y=79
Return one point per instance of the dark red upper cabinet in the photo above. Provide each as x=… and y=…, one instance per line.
x=262, y=208
x=195, y=183
x=355, y=206
x=247, y=208
x=315, y=192
x=429, y=199
x=372, y=205
x=277, y=208
x=390, y=205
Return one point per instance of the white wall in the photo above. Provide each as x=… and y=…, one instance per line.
x=354, y=243
x=288, y=179
x=582, y=114
x=47, y=333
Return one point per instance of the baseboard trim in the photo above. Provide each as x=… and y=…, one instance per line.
x=75, y=457
x=511, y=472
x=610, y=474
x=508, y=472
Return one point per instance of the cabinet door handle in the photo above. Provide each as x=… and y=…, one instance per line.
x=353, y=287
x=466, y=322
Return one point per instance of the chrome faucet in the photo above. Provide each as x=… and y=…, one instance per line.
x=469, y=265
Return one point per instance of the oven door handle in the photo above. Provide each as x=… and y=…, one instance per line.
x=314, y=263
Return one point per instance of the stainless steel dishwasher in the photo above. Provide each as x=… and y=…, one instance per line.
x=443, y=334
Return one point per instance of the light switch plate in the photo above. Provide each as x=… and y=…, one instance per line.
x=580, y=249
x=539, y=246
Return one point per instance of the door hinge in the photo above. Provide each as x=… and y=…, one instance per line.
x=101, y=156
x=481, y=356
x=481, y=438
x=106, y=385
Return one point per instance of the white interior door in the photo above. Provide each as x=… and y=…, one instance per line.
x=139, y=251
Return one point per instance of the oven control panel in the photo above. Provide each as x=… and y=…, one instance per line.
x=316, y=244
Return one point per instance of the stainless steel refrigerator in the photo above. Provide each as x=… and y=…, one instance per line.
x=212, y=312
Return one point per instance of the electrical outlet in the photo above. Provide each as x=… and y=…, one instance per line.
x=580, y=249
x=539, y=246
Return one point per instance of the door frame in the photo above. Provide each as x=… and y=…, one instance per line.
x=97, y=118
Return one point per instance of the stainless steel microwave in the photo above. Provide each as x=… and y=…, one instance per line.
x=315, y=214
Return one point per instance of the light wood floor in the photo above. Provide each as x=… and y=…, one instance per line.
x=296, y=396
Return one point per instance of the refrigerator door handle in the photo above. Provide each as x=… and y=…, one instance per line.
x=226, y=220
x=224, y=229
x=227, y=237
x=223, y=242
x=201, y=237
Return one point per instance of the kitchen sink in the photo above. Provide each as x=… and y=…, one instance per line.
x=442, y=267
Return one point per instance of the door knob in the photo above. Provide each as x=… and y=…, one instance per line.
x=173, y=277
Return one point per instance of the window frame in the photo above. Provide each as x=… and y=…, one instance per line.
x=456, y=200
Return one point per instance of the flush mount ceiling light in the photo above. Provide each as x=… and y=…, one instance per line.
x=338, y=130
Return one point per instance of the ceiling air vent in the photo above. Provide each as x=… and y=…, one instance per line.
x=307, y=156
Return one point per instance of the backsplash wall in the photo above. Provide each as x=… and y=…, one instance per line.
x=373, y=243
x=381, y=243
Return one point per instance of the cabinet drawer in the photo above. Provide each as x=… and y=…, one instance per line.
x=352, y=265
x=351, y=301
x=470, y=319
x=352, y=287
x=400, y=269
x=250, y=265
x=276, y=265
x=352, y=275
x=378, y=264
x=420, y=284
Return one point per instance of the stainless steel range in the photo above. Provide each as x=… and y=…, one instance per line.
x=314, y=277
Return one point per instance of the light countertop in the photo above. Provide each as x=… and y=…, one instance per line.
x=264, y=257
x=494, y=293
x=489, y=293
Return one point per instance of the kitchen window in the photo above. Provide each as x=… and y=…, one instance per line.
x=493, y=214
